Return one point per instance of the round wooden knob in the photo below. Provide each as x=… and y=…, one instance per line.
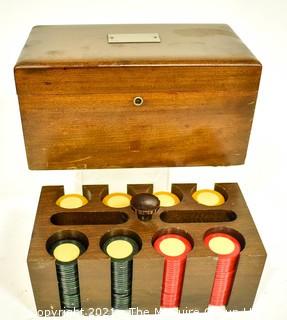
x=145, y=205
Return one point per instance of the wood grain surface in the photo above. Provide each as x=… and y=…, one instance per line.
x=199, y=86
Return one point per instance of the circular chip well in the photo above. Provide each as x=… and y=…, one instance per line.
x=172, y=245
x=117, y=200
x=71, y=201
x=119, y=249
x=66, y=252
x=208, y=197
x=167, y=199
x=222, y=244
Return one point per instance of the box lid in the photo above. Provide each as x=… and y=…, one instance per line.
x=88, y=45
x=77, y=88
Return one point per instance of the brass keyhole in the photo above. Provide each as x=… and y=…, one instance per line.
x=138, y=101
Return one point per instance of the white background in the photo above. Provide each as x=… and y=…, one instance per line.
x=262, y=25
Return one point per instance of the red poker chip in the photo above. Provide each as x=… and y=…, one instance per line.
x=158, y=241
x=236, y=243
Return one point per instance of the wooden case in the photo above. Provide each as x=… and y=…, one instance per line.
x=95, y=221
x=76, y=87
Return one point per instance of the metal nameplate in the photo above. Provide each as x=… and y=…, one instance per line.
x=133, y=38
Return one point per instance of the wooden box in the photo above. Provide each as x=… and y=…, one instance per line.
x=112, y=96
x=95, y=220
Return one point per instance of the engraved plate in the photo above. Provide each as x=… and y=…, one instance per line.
x=133, y=37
